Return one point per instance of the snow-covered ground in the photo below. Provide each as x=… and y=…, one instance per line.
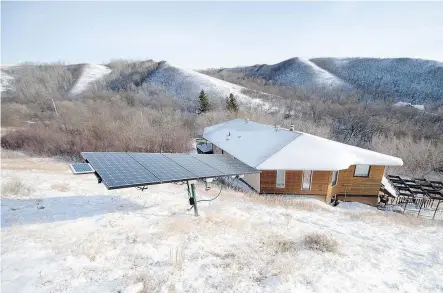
x=91, y=72
x=183, y=82
x=5, y=81
x=389, y=187
x=70, y=234
x=406, y=104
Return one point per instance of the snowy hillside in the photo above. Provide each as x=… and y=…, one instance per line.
x=293, y=72
x=90, y=73
x=186, y=84
x=415, y=81
x=5, y=81
x=66, y=233
x=405, y=104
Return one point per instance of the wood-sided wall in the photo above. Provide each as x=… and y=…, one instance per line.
x=348, y=187
x=359, y=189
x=321, y=180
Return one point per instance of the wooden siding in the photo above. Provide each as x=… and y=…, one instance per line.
x=348, y=184
x=358, y=189
x=320, y=182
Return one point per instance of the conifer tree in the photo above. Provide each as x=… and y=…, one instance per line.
x=204, y=103
x=231, y=103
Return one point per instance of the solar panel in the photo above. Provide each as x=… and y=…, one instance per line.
x=81, y=168
x=195, y=166
x=226, y=164
x=162, y=167
x=118, y=170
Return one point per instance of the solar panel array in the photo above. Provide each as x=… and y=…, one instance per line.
x=81, y=168
x=120, y=169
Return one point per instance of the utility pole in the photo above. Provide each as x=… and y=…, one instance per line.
x=55, y=108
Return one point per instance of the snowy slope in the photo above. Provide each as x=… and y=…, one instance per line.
x=91, y=72
x=293, y=72
x=73, y=235
x=186, y=84
x=5, y=81
x=405, y=104
x=416, y=81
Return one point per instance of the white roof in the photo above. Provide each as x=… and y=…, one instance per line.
x=266, y=147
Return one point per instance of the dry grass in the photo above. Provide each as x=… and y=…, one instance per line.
x=62, y=187
x=16, y=187
x=151, y=284
x=284, y=246
x=394, y=219
x=306, y=204
x=177, y=257
x=320, y=242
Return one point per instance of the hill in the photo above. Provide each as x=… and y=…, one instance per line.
x=398, y=79
x=60, y=81
x=293, y=72
x=62, y=232
x=405, y=79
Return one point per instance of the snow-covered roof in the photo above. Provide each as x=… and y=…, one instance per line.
x=266, y=147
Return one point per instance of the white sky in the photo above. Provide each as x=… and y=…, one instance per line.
x=203, y=34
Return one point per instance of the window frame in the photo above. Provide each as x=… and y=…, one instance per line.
x=362, y=176
x=336, y=178
x=310, y=179
x=281, y=185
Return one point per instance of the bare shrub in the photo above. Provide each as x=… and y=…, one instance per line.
x=14, y=114
x=16, y=187
x=320, y=242
x=421, y=157
x=37, y=83
x=283, y=246
x=102, y=126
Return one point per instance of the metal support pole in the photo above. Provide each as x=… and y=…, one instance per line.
x=195, y=199
x=189, y=190
x=436, y=209
x=422, y=203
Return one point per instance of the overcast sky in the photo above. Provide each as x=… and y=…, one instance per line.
x=202, y=35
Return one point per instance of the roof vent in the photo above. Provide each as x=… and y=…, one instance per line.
x=292, y=127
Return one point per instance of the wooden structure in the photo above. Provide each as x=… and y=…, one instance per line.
x=347, y=187
x=297, y=163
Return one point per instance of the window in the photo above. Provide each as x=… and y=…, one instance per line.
x=280, y=182
x=306, y=180
x=334, y=177
x=362, y=170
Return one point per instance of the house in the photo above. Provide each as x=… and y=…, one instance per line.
x=298, y=163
